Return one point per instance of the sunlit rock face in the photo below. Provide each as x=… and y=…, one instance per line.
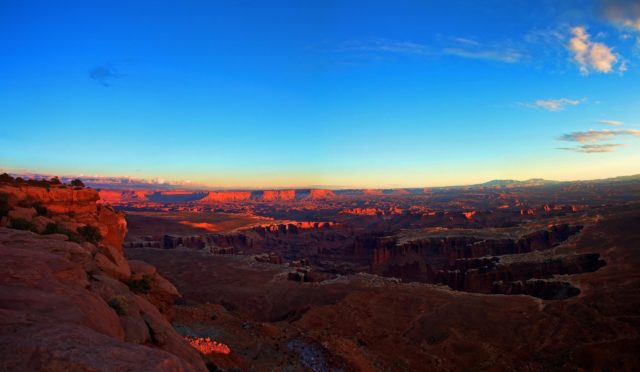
x=226, y=196
x=72, y=207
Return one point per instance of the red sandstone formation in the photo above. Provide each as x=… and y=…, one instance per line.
x=81, y=306
x=226, y=196
x=267, y=195
x=206, y=345
x=372, y=192
x=401, y=192
x=469, y=215
x=317, y=194
x=123, y=196
x=279, y=195
x=363, y=211
x=63, y=202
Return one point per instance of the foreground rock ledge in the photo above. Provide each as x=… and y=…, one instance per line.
x=60, y=311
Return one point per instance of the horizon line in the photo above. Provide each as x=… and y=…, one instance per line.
x=189, y=186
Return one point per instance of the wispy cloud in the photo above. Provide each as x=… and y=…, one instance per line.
x=553, y=105
x=593, y=148
x=105, y=74
x=591, y=56
x=457, y=46
x=610, y=122
x=622, y=13
x=473, y=49
x=597, y=135
x=465, y=40
x=383, y=46
x=504, y=55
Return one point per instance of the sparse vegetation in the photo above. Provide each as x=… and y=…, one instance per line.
x=77, y=183
x=22, y=224
x=40, y=209
x=119, y=304
x=6, y=178
x=4, y=204
x=90, y=233
x=53, y=228
x=19, y=181
x=140, y=286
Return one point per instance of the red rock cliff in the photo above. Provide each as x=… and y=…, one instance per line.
x=72, y=208
x=80, y=305
x=226, y=196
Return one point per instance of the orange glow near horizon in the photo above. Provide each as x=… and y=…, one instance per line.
x=472, y=172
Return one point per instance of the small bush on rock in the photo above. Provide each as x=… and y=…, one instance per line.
x=53, y=228
x=90, y=233
x=40, y=209
x=5, y=178
x=140, y=286
x=119, y=304
x=4, y=205
x=22, y=224
x=77, y=182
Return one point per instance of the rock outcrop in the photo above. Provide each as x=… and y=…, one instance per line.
x=80, y=305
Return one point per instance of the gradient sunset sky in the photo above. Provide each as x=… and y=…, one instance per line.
x=321, y=93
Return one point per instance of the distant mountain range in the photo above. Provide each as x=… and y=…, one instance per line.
x=516, y=183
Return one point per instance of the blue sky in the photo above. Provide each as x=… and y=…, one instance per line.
x=332, y=93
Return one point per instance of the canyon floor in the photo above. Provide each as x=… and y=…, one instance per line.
x=541, y=277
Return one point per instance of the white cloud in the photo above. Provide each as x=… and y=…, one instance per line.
x=610, y=122
x=597, y=135
x=553, y=104
x=591, y=56
x=593, y=148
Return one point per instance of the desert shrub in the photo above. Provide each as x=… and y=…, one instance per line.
x=211, y=367
x=55, y=181
x=40, y=209
x=22, y=224
x=54, y=228
x=90, y=233
x=24, y=203
x=140, y=286
x=4, y=177
x=4, y=204
x=119, y=304
x=77, y=182
x=73, y=236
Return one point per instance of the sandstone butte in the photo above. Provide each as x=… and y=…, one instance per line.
x=266, y=195
x=119, y=196
x=81, y=306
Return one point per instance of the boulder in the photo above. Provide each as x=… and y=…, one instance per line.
x=23, y=213
x=140, y=269
x=41, y=223
x=105, y=264
x=116, y=256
